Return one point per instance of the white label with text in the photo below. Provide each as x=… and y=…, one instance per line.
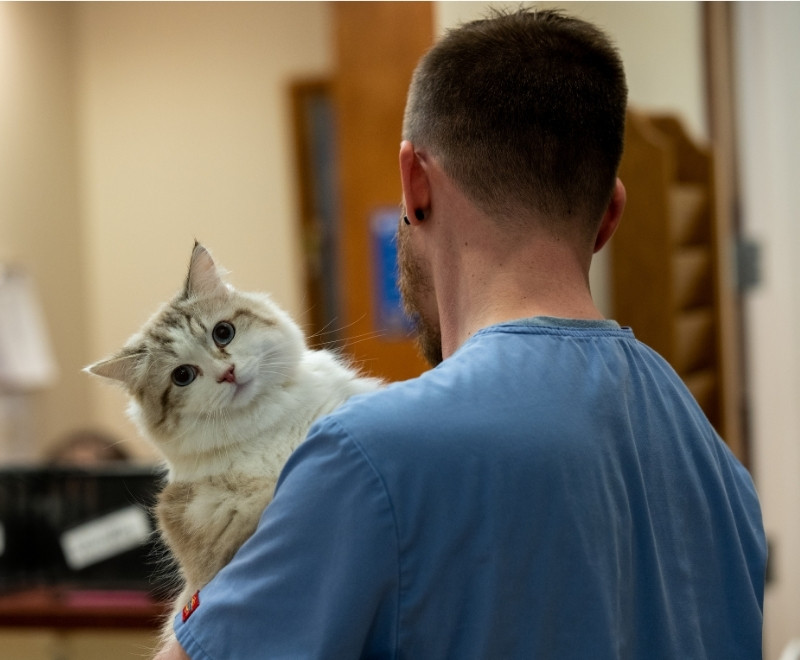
x=105, y=537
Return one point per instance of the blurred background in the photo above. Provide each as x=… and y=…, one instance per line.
x=269, y=131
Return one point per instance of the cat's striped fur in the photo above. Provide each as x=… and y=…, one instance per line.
x=221, y=381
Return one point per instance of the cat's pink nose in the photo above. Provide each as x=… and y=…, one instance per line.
x=228, y=376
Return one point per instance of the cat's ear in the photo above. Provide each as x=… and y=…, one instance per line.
x=204, y=277
x=121, y=368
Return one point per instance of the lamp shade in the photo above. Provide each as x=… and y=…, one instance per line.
x=26, y=357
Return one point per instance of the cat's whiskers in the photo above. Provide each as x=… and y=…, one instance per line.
x=356, y=339
x=339, y=343
x=324, y=330
x=269, y=364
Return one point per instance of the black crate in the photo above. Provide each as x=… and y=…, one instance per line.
x=44, y=510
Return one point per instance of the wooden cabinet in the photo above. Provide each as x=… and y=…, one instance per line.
x=667, y=276
x=51, y=644
x=28, y=644
x=59, y=624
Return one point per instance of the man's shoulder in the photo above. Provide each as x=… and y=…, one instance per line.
x=400, y=403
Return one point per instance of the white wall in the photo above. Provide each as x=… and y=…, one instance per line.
x=767, y=53
x=185, y=133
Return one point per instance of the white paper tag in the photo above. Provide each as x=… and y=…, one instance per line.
x=105, y=537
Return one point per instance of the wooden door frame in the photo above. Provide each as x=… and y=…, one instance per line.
x=717, y=24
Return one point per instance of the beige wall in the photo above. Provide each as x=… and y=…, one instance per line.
x=127, y=130
x=40, y=227
x=185, y=133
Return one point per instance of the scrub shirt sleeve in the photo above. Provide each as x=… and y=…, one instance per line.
x=319, y=577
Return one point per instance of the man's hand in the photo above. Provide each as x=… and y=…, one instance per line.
x=172, y=651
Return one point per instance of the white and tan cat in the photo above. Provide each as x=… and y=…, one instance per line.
x=222, y=382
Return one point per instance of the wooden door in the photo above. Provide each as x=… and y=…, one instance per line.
x=378, y=44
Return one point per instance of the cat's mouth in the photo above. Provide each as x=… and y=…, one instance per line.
x=242, y=391
x=239, y=387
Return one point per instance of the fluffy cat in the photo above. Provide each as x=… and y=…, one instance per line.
x=222, y=383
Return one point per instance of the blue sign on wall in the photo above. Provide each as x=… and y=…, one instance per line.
x=387, y=303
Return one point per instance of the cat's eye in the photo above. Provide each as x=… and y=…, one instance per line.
x=223, y=333
x=184, y=375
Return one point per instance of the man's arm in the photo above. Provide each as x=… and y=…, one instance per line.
x=172, y=651
x=318, y=578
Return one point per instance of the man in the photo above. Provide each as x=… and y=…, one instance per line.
x=550, y=489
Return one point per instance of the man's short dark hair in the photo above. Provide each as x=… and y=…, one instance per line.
x=526, y=113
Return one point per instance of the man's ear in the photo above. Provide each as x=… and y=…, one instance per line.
x=414, y=179
x=612, y=216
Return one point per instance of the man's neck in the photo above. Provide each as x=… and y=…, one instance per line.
x=541, y=276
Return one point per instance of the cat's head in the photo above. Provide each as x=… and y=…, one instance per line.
x=207, y=357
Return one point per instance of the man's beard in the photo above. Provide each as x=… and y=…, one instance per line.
x=414, y=283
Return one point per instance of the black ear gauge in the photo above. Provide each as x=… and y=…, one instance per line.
x=419, y=214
